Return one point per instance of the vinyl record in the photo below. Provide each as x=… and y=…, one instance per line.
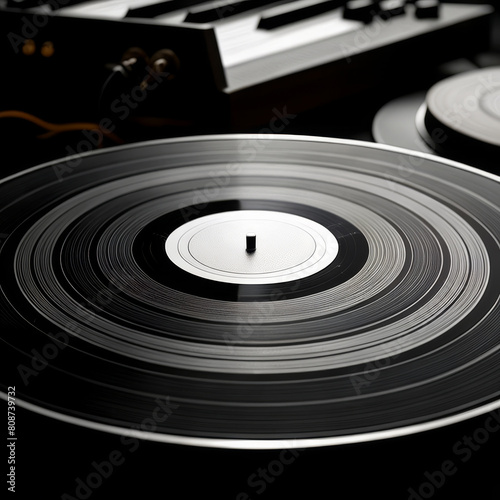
x=457, y=118
x=133, y=302
x=395, y=123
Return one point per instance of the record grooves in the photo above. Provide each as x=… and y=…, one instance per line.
x=413, y=288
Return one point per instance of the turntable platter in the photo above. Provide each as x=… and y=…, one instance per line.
x=395, y=330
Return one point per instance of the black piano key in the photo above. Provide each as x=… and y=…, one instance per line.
x=392, y=8
x=427, y=9
x=221, y=10
x=158, y=9
x=28, y=4
x=360, y=10
x=297, y=12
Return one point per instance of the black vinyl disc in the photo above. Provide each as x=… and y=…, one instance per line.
x=395, y=334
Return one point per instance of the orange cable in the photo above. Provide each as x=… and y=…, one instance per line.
x=54, y=128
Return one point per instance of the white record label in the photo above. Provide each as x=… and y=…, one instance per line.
x=288, y=247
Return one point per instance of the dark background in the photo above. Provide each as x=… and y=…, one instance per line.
x=52, y=455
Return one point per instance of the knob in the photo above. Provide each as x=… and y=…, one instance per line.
x=164, y=64
x=133, y=61
x=165, y=60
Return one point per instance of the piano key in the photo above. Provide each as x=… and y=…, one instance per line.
x=158, y=9
x=296, y=11
x=55, y=5
x=111, y=9
x=391, y=8
x=223, y=9
x=427, y=9
x=28, y=4
x=240, y=42
x=52, y=5
x=360, y=10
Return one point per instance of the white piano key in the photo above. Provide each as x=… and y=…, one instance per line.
x=240, y=41
x=113, y=9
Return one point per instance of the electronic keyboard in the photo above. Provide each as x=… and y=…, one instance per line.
x=238, y=59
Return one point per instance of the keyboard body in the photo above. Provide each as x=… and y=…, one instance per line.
x=232, y=75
